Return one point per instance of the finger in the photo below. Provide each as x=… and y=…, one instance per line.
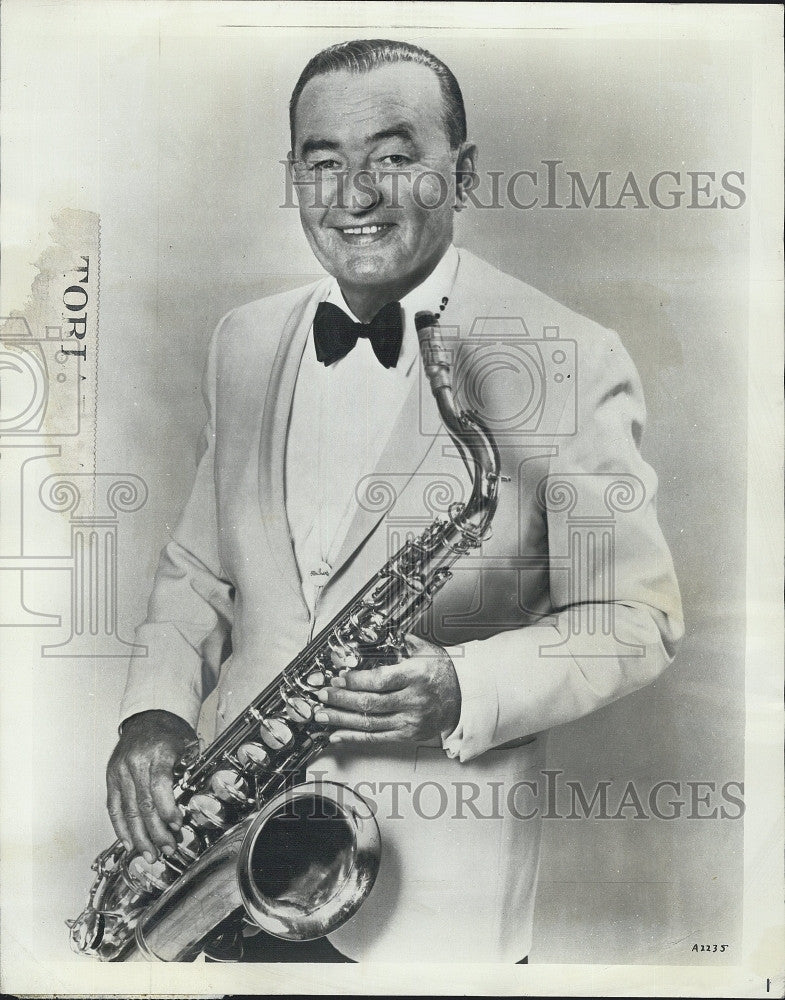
x=134, y=820
x=349, y=737
x=355, y=721
x=157, y=830
x=389, y=677
x=114, y=806
x=162, y=790
x=363, y=702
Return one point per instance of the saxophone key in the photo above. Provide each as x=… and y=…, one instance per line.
x=207, y=810
x=298, y=709
x=229, y=786
x=316, y=679
x=146, y=876
x=87, y=930
x=275, y=733
x=253, y=755
x=345, y=659
x=342, y=655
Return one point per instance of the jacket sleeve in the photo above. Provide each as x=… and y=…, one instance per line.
x=187, y=632
x=617, y=616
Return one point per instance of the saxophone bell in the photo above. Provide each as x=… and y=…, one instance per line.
x=309, y=861
x=298, y=869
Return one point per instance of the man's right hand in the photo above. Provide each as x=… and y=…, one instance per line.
x=139, y=780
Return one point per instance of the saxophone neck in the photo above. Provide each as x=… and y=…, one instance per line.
x=467, y=430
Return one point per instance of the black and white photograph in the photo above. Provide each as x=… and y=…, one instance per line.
x=391, y=485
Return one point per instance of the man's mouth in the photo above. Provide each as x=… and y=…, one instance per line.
x=359, y=235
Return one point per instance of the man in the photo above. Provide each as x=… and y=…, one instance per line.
x=309, y=418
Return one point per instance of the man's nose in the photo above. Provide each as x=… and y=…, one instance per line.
x=360, y=191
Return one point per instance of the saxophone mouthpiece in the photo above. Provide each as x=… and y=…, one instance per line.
x=424, y=319
x=435, y=357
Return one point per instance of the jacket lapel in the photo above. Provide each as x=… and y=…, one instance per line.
x=275, y=424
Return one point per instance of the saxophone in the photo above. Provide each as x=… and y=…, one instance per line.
x=257, y=849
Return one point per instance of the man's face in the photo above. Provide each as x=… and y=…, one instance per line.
x=375, y=176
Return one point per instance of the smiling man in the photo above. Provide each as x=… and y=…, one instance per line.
x=321, y=452
x=387, y=160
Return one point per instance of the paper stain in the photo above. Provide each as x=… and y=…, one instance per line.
x=49, y=350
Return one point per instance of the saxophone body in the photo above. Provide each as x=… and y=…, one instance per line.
x=257, y=849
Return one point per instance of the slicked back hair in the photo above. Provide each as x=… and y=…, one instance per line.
x=365, y=54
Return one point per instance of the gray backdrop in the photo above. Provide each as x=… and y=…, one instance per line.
x=192, y=134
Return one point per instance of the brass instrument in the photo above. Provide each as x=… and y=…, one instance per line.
x=243, y=811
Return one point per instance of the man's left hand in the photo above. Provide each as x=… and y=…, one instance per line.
x=410, y=701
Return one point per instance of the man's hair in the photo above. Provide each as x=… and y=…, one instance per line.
x=364, y=54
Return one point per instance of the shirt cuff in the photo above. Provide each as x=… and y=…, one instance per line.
x=476, y=727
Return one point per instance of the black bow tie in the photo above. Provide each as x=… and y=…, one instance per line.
x=335, y=333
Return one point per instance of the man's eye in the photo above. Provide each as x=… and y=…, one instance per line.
x=325, y=165
x=395, y=160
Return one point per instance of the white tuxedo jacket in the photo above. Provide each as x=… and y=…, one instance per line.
x=571, y=604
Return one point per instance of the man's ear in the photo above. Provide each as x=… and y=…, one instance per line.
x=466, y=179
